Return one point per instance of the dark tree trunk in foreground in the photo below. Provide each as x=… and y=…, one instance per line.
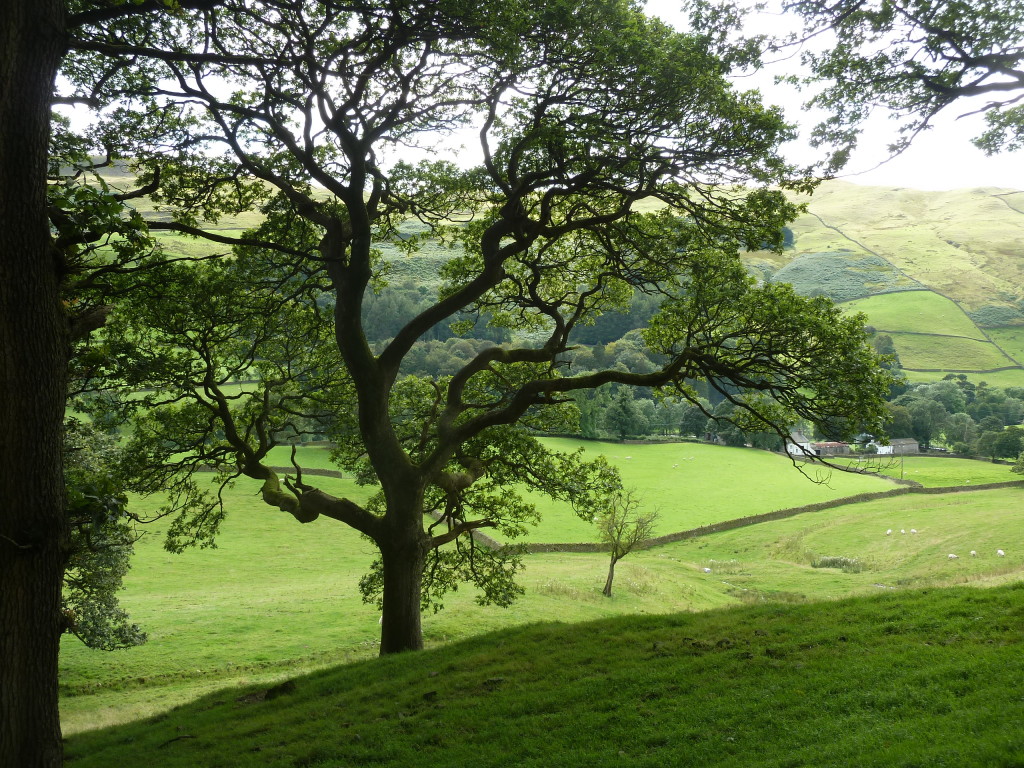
x=33, y=355
x=403, y=578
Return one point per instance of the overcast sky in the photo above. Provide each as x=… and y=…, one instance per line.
x=942, y=158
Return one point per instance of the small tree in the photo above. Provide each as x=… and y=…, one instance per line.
x=623, y=527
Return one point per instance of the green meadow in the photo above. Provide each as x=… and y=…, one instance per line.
x=912, y=678
x=936, y=471
x=692, y=485
x=917, y=312
x=278, y=599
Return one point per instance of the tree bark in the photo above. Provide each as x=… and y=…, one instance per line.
x=607, y=591
x=403, y=558
x=33, y=362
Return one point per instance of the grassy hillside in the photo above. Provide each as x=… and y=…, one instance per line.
x=908, y=679
x=690, y=485
x=277, y=598
x=965, y=244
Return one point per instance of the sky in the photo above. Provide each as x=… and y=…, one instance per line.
x=940, y=159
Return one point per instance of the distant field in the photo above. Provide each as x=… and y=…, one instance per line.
x=939, y=472
x=964, y=243
x=948, y=353
x=692, y=485
x=1011, y=378
x=915, y=311
x=1011, y=340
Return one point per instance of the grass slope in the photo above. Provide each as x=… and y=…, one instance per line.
x=965, y=244
x=916, y=312
x=278, y=597
x=693, y=485
x=937, y=471
x=910, y=679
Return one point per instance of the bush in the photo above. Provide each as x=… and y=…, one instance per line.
x=842, y=276
x=847, y=564
x=995, y=315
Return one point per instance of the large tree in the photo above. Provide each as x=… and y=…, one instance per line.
x=579, y=111
x=37, y=326
x=33, y=357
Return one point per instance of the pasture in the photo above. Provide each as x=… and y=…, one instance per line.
x=948, y=353
x=916, y=312
x=898, y=679
x=277, y=598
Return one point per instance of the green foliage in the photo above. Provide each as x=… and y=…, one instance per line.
x=915, y=59
x=622, y=418
x=102, y=542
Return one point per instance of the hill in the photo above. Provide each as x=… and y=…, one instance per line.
x=277, y=598
x=910, y=679
x=941, y=272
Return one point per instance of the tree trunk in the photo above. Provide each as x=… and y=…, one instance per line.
x=607, y=591
x=403, y=559
x=33, y=361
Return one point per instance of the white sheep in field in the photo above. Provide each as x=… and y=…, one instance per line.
x=913, y=530
x=889, y=532
x=902, y=530
x=1000, y=553
x=973, y=553
x=953, y=557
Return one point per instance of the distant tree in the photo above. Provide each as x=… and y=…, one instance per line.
x=1018, y=465
x=928, y=418
x=623, y=418
x=623, y=528
x=722, y=424
x=960, y=428
x=694, y=418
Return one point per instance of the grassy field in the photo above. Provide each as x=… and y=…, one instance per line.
x=914, y=678
x=963, y=243
x=685, y=483
x=915, y=311
x=277, y=598
x=1010, y=378
x=937, y=471
x=948, y=353
x=1011, y=340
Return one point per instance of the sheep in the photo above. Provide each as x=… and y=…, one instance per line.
x=889, y=532
x=902, y=530
x=913, y=530
x=953, y=557
x=707, y=570
x=973, y=553
x=1000, y=553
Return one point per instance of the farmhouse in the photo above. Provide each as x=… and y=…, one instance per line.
x=830, y=448
x=900, y=446
x=799, y=445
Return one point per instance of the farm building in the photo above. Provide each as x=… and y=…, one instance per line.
x=900, y=446
x=830, y=448
x=799, y=445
